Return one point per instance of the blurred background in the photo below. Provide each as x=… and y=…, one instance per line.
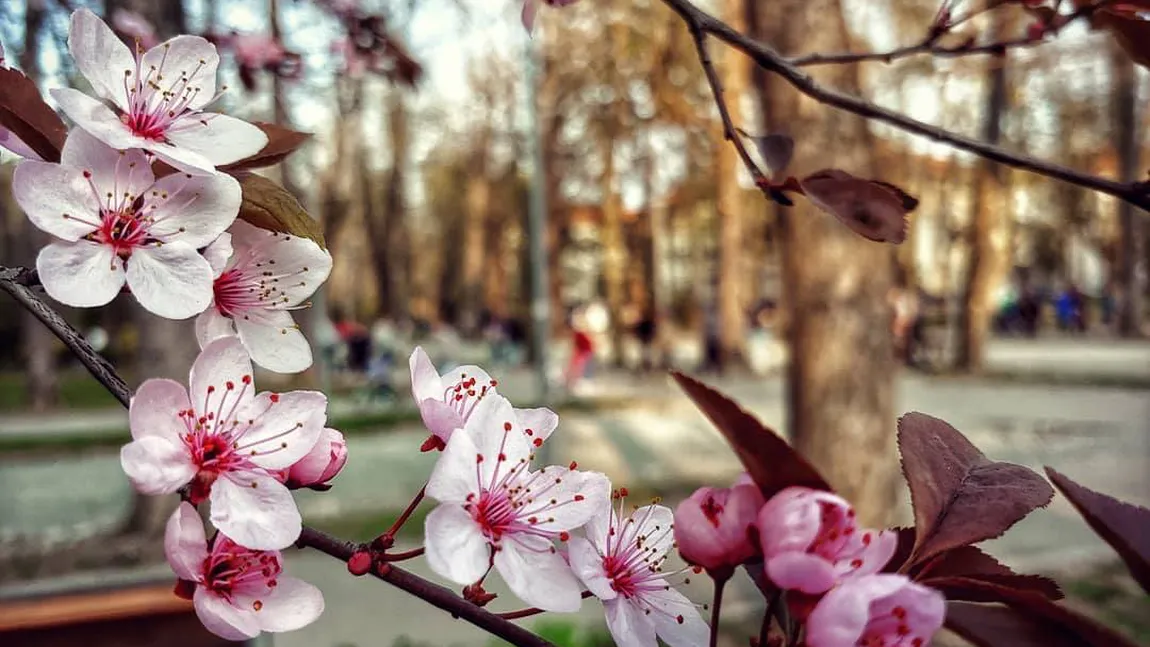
x=564, y=211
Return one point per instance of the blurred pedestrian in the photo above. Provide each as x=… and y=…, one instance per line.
x=582, y=349
x=356, y=339
x=646, y=332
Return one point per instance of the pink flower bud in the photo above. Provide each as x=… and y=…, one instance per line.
x=713, y=526
x=876, y=610
x=811, y=542
x=322, y=463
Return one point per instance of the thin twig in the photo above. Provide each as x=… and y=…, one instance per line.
x=18, y=282
x=698, y=21
x=531, y=611
x=388, y=538
x=716, y=608
x=399, y=557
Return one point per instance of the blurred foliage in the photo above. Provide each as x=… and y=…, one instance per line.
x=567, y=633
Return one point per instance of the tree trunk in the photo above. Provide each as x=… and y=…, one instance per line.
x=989, y=237
x=478, y=200
x=1131, y=275
x=841, y=372
x=734, y=74
x=614, y=252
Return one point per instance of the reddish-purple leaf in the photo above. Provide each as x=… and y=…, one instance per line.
x=960, y=496
x=23, y=111
x=281, y=143
x=952, y=571
x=874, y=210
x=902, y=551
x=1028, y=620
x=1126, y=527
x=270, y=206
x=770, y=461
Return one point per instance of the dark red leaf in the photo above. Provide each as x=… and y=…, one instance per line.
x=1028, y=620
x=960, y=496
x=952, y=570
x=1126, y=527
x=281, y=143
x=902, y=551
x=23, y=111
x=270, y=206
x=874, y=210
x=770, y=461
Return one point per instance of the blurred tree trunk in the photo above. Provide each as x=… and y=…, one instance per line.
x=1131, y=275
x=38, y=344
x=841, y=372
x=614, y=250
x=386, y=218
x=478, y=212
x=989, y=234
x=734, y=74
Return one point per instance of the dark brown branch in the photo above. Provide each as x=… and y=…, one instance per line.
x=697, y=20
x=430, y=592
x=18, y=282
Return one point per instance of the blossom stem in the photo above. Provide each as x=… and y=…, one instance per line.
x=399, y=557
x=388, y=538
x=768, y=616
x=530, y=611
x=716, y=606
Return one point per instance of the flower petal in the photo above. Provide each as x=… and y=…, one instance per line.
x=220, y=362
x=456, y=375
x=323, y=462
x=299, y=263
x=801, y=571
x=841, y=616
x=98, y=119
x=113, y=171
x=156, y=465
x=81, y=274
x=676, y=620
x=628, y=625
x=869, y=557
x=186, y=57
x=192, y=209
x=789, y=521
x=654, y=524
x=579, y=496
x=439, y=418
x=255, y=510
x=211, y=325
x=274, y=340
x=587, y=563
x=219, y=253
x=456, y=549
x=155, y=409
x=293, y=604
x=538, y=423
x=286, y=427
x=223, y=619
x=495, y=431
x=171, y=280
x=599, y=526
x=13, y=144
x=57, y=199
x=538, y=574
x=527, y=17
x=218, y=138
x=100, y=55
x=185, y=544
x=180, y=158
x=425, y=380
x=454, y=476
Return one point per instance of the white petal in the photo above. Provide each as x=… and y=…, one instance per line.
x=223, y=619
x=538, y=423
x=185, y=544
x=579, y=496
x=293, y=604
x=219, y=253
x=100, y=55
x=599, y=526
x=98, y=119
x=255, y=511
x=299, y=264
x=537, y=574
x=456, y=549
x=273, y=340
x=425, y=380
x=192, y=209
x=676, y=620
x=156, y=465
x=81, y=274
x=495, y=431
x=113, y=171
x=220, y=362
x=54, y=197
x=155, y=408
x=211, y=325
x=453, y=477
x=439, y=418
x=286, y=427
x=457, y=374
x=191, y=57
x=653, y=523
x=13, y=144
x=171, y=280
x=587, y=563
x=219, y=138
x=629, y=626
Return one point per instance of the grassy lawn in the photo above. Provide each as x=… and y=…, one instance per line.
x=78, y=390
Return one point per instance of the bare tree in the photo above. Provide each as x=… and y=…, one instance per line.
x=1131, y=274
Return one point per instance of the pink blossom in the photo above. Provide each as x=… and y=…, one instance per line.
x=224, y=441
x=117, y=224
x=158, y=94
x=321, y=464
x=446, y=402
x=136, y=27
x=714, y=527
x=621, y=562
x=876, y=610
x=531, y=8
x=260, y=277
x=355, y=62
x=811, y=541
x=494, y=508
x=237, y=592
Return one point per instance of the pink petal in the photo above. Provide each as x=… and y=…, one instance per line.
x=211, y=325
x=286, y=427
x=456, y=549
x=185, y=544
x=587, y=564
x=582, y=494
x=495, y=430
x=527, y=15
x=192, y=57
x=456, y=374
x=537, y=574
x=171, y=280
x=454, y=476
x=425, y=380
x=274, y=340
x=676, y=619
x=46, y=192
x=541, y=421
x=629, y=625
x=324, y=460
x=801, y=571
x=841, y=615
x=255, y=510
x=790, y=521
x=873, y=556
x=155, y=408
x=599, y=526
x=219, y=138
x=98, y=119
x=439, y=418
x=293, y=604
x=223, y=619
x=112, y=170
x=219, y=253
x=181, y=158
x=81, y=274
x=156, y=465
x=192, y=210
x=100, y=55
x=221, y=361
x=288, y=257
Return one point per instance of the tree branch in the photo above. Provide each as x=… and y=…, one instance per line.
x=700, y=22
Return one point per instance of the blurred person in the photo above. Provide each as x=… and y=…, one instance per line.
x=712, y=344
x=582, y=350
x=356, y=339
x=646, y=331
x=1029, y=310
x=905, y=302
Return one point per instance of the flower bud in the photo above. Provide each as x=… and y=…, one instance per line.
x=713, y=527
x=321, y=464
x=876, y=610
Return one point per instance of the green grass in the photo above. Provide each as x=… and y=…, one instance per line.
x=78, y=391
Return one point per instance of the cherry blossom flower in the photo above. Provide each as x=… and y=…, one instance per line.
x=811, y=541
x=495, y=510
x=446, y=402
x=136, y=27
x=237, y=592
x=117, y=225
x=257, y=51
x=714, y=527
x=876, y=610
x=621, y=562
x=223, y=441
x=158, y=96
x=531, y=8
x=322, y=463
x=260, y=277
